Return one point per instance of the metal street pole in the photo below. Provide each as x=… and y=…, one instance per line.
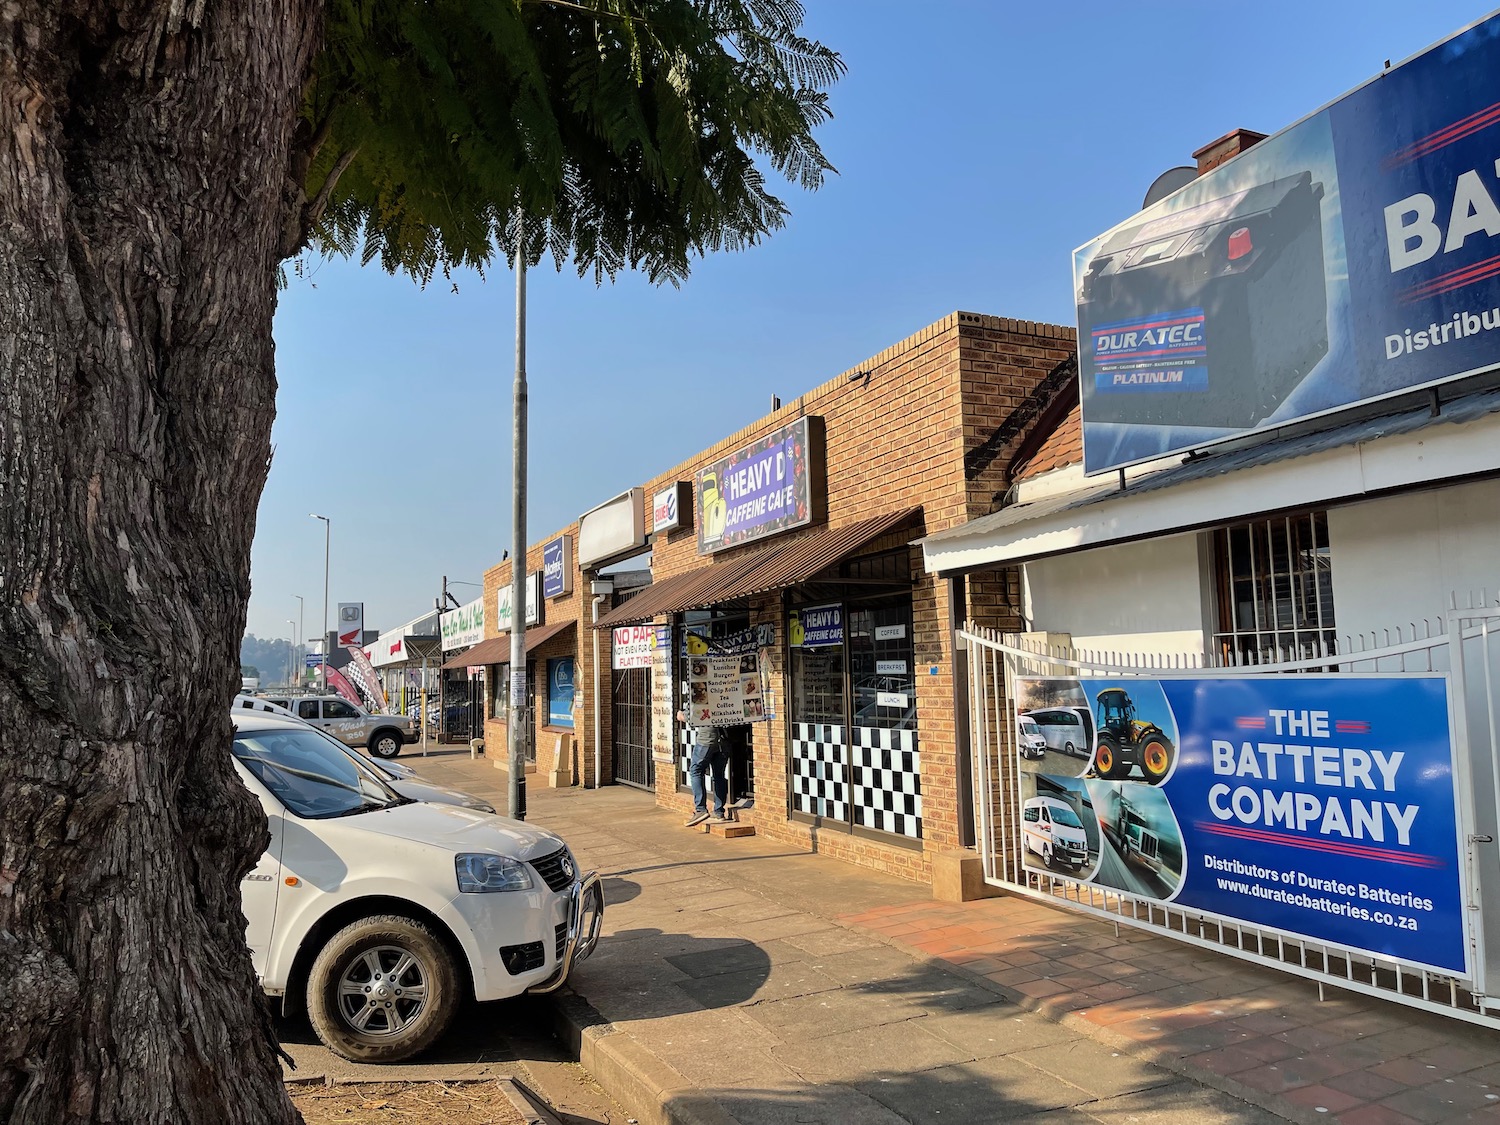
x=519, y=698
x=325, y=646
x=302, y=639
x=291, y=651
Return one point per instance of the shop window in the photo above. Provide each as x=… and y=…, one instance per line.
x=880, y=665
x=1274, y=584
x=818, y=685
x=499, y=692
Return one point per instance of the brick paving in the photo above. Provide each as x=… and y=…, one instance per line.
x=785, y=986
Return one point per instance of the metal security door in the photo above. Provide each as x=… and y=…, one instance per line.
x=632, y=728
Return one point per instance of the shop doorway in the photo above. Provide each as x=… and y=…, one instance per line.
x=631, y=728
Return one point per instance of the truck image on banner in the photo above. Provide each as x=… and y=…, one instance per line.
x=1351, y=257
x=1319, y=806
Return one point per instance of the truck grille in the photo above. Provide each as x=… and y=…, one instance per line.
x=557, y=870
x=562, y=938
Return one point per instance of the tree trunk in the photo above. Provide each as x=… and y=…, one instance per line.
x=143, y=190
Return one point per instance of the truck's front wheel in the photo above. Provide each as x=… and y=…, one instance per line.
x=382, y=990
x=386, y=743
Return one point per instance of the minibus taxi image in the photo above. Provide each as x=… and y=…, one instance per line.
x=1053, y=831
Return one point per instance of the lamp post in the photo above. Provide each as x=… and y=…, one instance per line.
x=327, y=539
x=292, y=651
x=517, y=726
x=302, y=634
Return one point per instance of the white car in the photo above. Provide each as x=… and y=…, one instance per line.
x=382, y=913
x=1029, y=739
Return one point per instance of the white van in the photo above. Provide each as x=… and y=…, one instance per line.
x=1067, y=729
x=1053, y=831
x=1029, y=739
x=379, y=913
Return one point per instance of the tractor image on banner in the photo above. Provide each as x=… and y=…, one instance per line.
x=1125, y=741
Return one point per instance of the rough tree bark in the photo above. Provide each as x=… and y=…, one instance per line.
x=143, y=194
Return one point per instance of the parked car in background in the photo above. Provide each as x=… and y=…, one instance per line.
x=380, y=914
x=399, y=776
x=383, y=735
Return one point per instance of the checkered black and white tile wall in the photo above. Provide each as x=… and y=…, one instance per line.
x=886, y=781
x=819, y=782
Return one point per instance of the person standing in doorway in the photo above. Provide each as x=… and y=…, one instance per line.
x=709, y=756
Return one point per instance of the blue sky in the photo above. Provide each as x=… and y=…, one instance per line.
x=977, y=146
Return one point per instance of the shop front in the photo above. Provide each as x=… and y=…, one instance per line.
x=785, y=575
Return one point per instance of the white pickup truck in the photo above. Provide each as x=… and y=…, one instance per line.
x=381, y=913
x=382, y=735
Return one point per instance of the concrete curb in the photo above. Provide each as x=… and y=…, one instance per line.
x=649, y=1088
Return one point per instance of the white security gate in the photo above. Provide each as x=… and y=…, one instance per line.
x=1464, y=647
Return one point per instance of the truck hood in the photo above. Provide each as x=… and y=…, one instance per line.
x=458, y=829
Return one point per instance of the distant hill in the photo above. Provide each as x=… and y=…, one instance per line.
x=268, y=655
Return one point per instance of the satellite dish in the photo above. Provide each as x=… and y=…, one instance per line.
x=1169, y=181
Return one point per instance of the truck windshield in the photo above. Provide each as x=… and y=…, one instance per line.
x=1061, y=814
x=310, y=775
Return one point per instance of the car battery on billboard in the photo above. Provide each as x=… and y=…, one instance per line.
x=1209, y=316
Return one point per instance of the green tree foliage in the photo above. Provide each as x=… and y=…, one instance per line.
x=630, y=133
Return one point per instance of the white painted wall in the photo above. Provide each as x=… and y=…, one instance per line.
x=1138, y=597
x=1397, y=559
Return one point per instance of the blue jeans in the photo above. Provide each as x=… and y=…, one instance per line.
x=700, y=761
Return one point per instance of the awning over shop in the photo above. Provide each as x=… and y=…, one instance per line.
x=496, y=650
x=755, y=572
x=1364, y=457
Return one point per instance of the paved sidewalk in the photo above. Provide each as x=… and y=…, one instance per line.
x=740, y=980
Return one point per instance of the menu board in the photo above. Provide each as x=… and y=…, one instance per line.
x=725, y=690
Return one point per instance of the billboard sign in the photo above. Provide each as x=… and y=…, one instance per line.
x=1351, y=257
x=1321, y=807
x=351, y=623
x=557, y=567
x=770, y=486
x=533, y=602
x=464, y=626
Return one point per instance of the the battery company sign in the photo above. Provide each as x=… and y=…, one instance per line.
x=1317, y=806
x=464, y=626
x=503, y=598
x=634, y=647
x=816, y=626
x=557, y=567
x=770, y=486
x=1351, y=257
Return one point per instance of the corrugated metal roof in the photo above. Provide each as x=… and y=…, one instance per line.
x=496, y=650
x=755, y=572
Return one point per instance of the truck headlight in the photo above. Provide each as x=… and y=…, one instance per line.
x=479, y=872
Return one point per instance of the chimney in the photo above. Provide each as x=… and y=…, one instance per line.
x=1214, y=153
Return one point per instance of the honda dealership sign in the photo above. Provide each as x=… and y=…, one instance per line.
x=1353, y=256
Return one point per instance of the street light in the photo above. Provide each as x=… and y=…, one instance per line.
x=291, y=652
x=301, y=633
x=327, y=539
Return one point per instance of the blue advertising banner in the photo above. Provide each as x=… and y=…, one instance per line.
x=770, y=486
x=816, y=626
x=1350, y=257
x=560, y=692
x=1320, y=806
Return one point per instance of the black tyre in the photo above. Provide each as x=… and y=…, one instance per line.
x=1069, y=749
x=1107, y=758
x=386, y=743
x=1047, y=854
x=383, y=989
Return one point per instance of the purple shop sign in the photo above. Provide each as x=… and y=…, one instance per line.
x=770, y=486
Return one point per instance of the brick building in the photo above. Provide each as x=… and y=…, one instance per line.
x=862, y=757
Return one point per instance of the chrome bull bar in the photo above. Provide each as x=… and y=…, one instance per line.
x=585, y=919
